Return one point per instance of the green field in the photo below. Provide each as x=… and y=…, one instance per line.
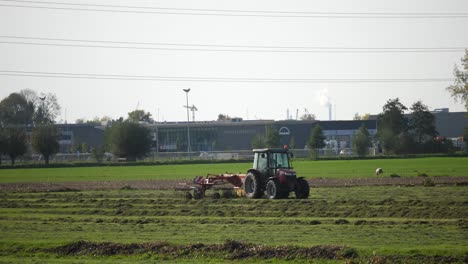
x=339, y=169
x=392, y=224
x=404, y=222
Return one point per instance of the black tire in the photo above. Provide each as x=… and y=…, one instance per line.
x=302, y=189
x=216, y=196
x=273, y=190
x=188, y=196
x=253, y=186
x=197, y=194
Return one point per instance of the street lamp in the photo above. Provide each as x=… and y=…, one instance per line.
x=188, y=121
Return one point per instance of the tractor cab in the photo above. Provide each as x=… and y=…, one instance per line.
x=268, y=161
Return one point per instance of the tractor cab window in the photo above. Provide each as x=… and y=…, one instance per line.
x=261, y=162
x=279, y=160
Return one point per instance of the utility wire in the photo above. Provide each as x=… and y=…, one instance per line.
x=224, y=12
x=211, y=79
x=207, y=47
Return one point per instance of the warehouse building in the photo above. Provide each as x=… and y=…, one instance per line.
x=238, y=134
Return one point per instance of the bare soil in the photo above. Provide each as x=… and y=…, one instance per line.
x=171, y=184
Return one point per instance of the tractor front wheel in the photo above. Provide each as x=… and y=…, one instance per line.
x=302, y=189
x=273, y=190
x=252, y=186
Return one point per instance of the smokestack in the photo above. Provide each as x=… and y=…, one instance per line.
x=329, y=111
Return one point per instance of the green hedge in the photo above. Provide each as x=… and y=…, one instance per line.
x=117, y=164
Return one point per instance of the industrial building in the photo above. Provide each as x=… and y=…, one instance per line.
x=238, y=134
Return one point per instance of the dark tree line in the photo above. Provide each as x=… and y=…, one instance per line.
x=398, y=132
x=414, y=133
x=27, y=109
x=127, y=139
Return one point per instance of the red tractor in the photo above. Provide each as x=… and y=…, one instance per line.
x=272, y=172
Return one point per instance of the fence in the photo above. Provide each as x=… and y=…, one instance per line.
x=175, y=156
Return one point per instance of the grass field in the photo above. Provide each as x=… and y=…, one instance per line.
x=389, y=224
x=406, y=221
x=310, y=169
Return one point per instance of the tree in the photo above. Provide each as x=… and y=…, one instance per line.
x=391, y=123
x=459, y=90
x=46, y=107
x=406, y=143
x=222, y=117
x=27, y=107
x=140, y=116
x=95, y=121
x=15, y=143
x=292, y=143
x=316, y=139
x=307, y=116
x=388, y=140
x=272, y=137
x=45, y=140
x=3, y=143
x=356, y=116
x=393, y=117
x=422, y=123
x=258, y=142
x=15, y=110
x=361, y=141
x=98, y=153
x=361, y=117
x=128, y=140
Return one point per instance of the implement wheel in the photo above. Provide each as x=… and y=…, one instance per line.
x=302, y=189
x=197, y=194
x=252, y=186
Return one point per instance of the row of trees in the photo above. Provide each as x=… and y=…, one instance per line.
x=27, y=109
x=397, y=133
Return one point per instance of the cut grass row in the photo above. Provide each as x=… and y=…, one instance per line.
x=337, y=169
x=44, y=220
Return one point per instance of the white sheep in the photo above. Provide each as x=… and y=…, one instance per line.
x=378, y=171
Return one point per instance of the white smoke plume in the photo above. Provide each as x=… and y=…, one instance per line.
x=324, y=99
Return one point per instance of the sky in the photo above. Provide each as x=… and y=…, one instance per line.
x=205, y=50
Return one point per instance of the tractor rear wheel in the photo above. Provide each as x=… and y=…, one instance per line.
x=302, y=189
x=273, y=190
x=252, y=186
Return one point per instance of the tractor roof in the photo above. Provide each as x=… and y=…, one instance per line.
x=274, y=150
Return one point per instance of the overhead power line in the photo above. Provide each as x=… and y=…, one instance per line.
x=209, y=47
x=223, y=12
x=212, y=79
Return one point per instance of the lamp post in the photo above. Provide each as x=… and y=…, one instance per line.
x=188, y=122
